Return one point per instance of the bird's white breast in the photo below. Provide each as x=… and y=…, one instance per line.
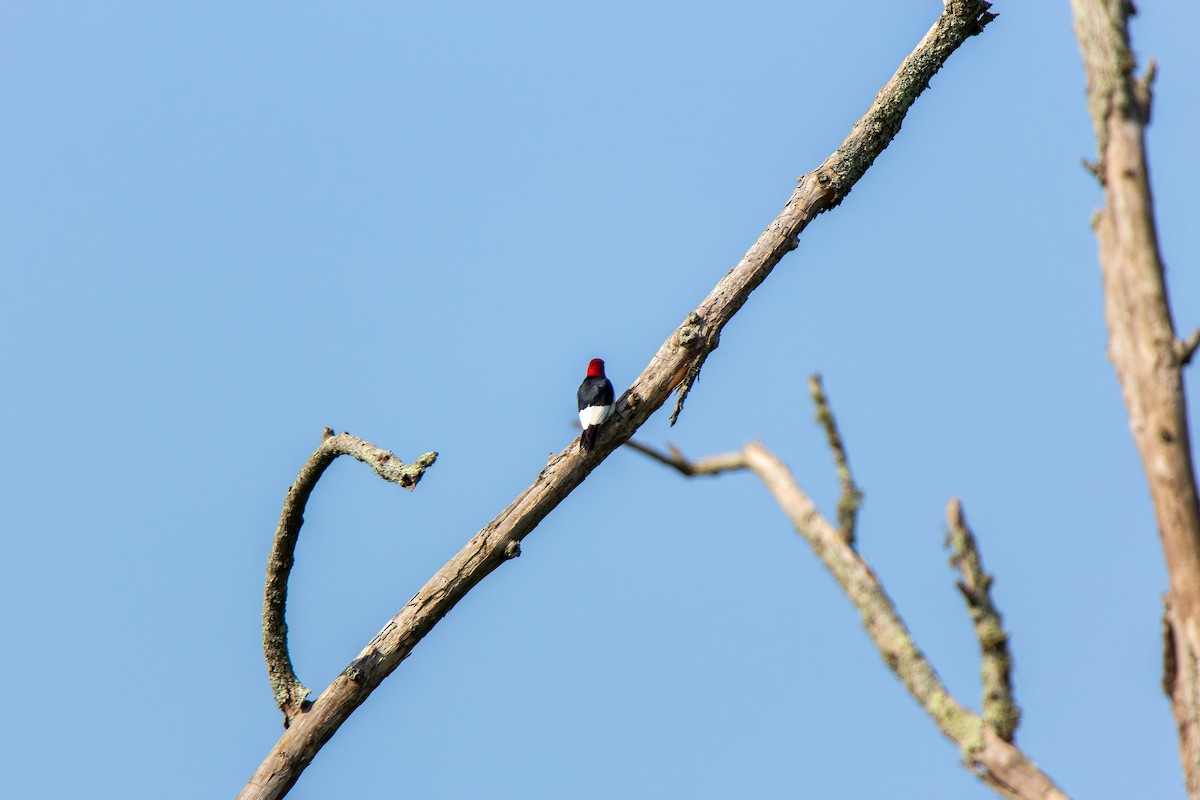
x=594, y=415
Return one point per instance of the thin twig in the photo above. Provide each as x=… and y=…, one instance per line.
x=851, y=498
x=999, y=708
x=290, y=693
x=712, y=465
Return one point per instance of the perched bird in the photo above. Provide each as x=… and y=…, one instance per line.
x=595, y=402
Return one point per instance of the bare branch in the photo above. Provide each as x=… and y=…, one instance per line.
x=1142, y=344
x=999, y=709
x=861, y=585
x=851, y=495
x=712, y=465
x=677, y=362
x=986, y=751
x=290, y=693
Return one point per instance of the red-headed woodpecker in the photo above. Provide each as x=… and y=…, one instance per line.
x=595, y=402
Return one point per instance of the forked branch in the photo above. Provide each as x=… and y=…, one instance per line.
x=986, y=747
x=675, y=366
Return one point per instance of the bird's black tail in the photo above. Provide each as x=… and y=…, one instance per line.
x=588, y=440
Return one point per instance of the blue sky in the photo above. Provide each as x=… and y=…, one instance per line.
x=225, y=226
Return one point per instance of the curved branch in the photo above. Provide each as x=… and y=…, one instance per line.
x=1142, y=344
x=290, y=693
x=679, y=358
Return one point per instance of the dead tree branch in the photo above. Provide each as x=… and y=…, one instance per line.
x=991, y=756
x=999, y=709
x=847, y=511
x=677, y=361
x=1142, y=343
x=712, y=465
x=290, y=693
x=987, y=749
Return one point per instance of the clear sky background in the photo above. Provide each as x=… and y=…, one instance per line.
x=224, y=226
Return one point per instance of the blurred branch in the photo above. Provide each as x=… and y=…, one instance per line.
x=1185, y=349
x=1145, y=351
x=289, y=692
x=999, y=709
x=848, y=503
x=987, y=749
x=676, y=365
x=987, y=753
x=713, y=465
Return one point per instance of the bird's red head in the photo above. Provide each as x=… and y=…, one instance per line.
x=596, y=368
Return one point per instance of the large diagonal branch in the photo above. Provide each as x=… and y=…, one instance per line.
x=677, y=362
x=986, y=743
x=1142, y=344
